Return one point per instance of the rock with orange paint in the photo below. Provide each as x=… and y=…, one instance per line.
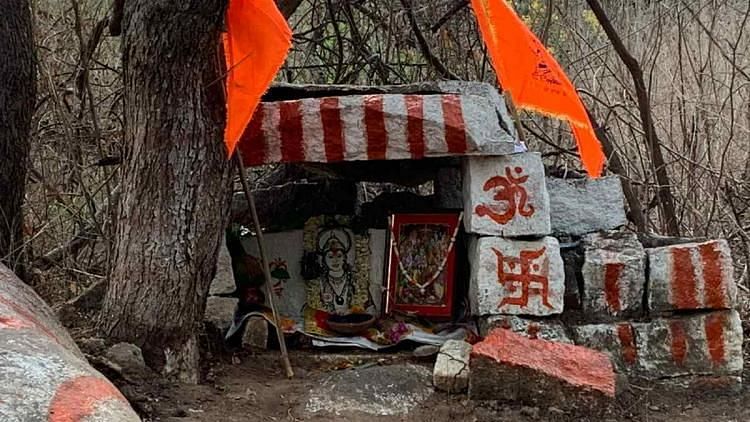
x=691, y=276
x=580, y=206
x=509, y=367
x=545, y=329
x=516, y=277
x=617, y=340
x=506, y=195
x=614, y=274
x=705, y=344
x=44, y=375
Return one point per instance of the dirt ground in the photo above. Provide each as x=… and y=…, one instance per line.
x=252, y=387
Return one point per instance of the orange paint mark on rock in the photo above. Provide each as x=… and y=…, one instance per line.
x=714, y=326
x=13, y=323
x=77, y=398
x=30, y=318
x=711, y=259
x=627, y=342
x=683, y=280
x=612, y=273
x=679, y=342
x=578, y=366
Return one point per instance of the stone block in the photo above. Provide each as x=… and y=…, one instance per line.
x=572, y=256
x=451, y=373
x=580, y=206
x=550, y=330
x=223, y=282
x=691, y=276
x=506, y=195
x=448, y=186
x=705, y=344
x=517, y=277
x=511, y=368
x=614, y=274
x=220, y=313
x=616, y=340
x=256, y=334
x=699, y=345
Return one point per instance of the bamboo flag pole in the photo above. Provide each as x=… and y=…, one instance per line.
x=266, y=268
x=514, y=114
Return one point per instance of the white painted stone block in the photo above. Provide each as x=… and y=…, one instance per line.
x=614, y=274
x=506, y=195
x=518, y=277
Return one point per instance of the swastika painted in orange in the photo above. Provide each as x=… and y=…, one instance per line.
x=524, y=275
x=510, y=197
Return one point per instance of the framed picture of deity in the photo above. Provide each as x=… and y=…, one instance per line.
x=421, y=264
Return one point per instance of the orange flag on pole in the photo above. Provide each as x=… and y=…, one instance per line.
x=533, y=77
x=255, y=45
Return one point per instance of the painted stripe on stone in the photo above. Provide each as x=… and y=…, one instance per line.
x=76, y=399
x=612, y=273
x=291, y=131
x=455, y=128
x=375, y=127
x=394, y=109
x=714, y=325
x=312, y=130
x=712, y=276
x=272, y=139
x=415, y=125
x=683, y=283
x=434, y=126
x=333, y=131
x=252, y=143
x=679, y=342
x=627, y=342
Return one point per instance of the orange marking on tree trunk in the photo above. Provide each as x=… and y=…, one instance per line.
x=714, y=325
x=77, y=398
x=683, y=280
x=627, y=342
x=710, y=256
x=612, y=273
x=679, y=342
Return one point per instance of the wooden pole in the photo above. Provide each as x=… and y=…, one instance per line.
x=514, y=114
x=266, y=268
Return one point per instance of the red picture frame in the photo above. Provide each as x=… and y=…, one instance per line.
x=421, y=264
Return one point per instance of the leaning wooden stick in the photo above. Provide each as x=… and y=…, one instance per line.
x=266, y=269
x=514, y=114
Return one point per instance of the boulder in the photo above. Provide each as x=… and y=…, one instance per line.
x=518, y=277
x=451, y=372
x=129, y=358
x=45, y=376
x=614, y=274
x=580, y=206
x=512, y=368
x=506, y=196
x=220, y=313
x=691, y=276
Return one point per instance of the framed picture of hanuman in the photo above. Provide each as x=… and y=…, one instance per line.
x=421, y=263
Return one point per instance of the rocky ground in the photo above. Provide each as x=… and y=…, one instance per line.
x=356, y=386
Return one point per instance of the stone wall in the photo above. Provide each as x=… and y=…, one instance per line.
x=550, y=258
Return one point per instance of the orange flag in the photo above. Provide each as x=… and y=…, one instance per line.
x=533, y=77
x=255, y=45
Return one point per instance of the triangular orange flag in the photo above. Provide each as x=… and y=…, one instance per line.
x=533, y=77
x=255, y=45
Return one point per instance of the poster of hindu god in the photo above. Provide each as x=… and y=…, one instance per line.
x=421, y=264
x=336, y=267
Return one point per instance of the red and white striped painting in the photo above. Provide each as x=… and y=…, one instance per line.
x=373, y=127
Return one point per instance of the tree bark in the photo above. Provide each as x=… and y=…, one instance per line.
x=664, y=191
x=17, y=99
x=175, y=195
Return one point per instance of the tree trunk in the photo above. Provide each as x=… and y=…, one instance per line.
x=17, y=99
x=174, y=204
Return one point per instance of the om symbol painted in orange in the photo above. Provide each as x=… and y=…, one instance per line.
x=510, y=197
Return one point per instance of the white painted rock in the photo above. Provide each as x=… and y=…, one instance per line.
x=223, y=282
x=704, y=344
x=580, y=206
x=516, y=277
x=44, y=375
x=691, y=276
x=506, y=195
x=451, y=373
x=550, y=330
x=614, y=274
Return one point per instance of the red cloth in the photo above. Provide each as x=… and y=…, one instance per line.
x=255, y=45
x=533, y=77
